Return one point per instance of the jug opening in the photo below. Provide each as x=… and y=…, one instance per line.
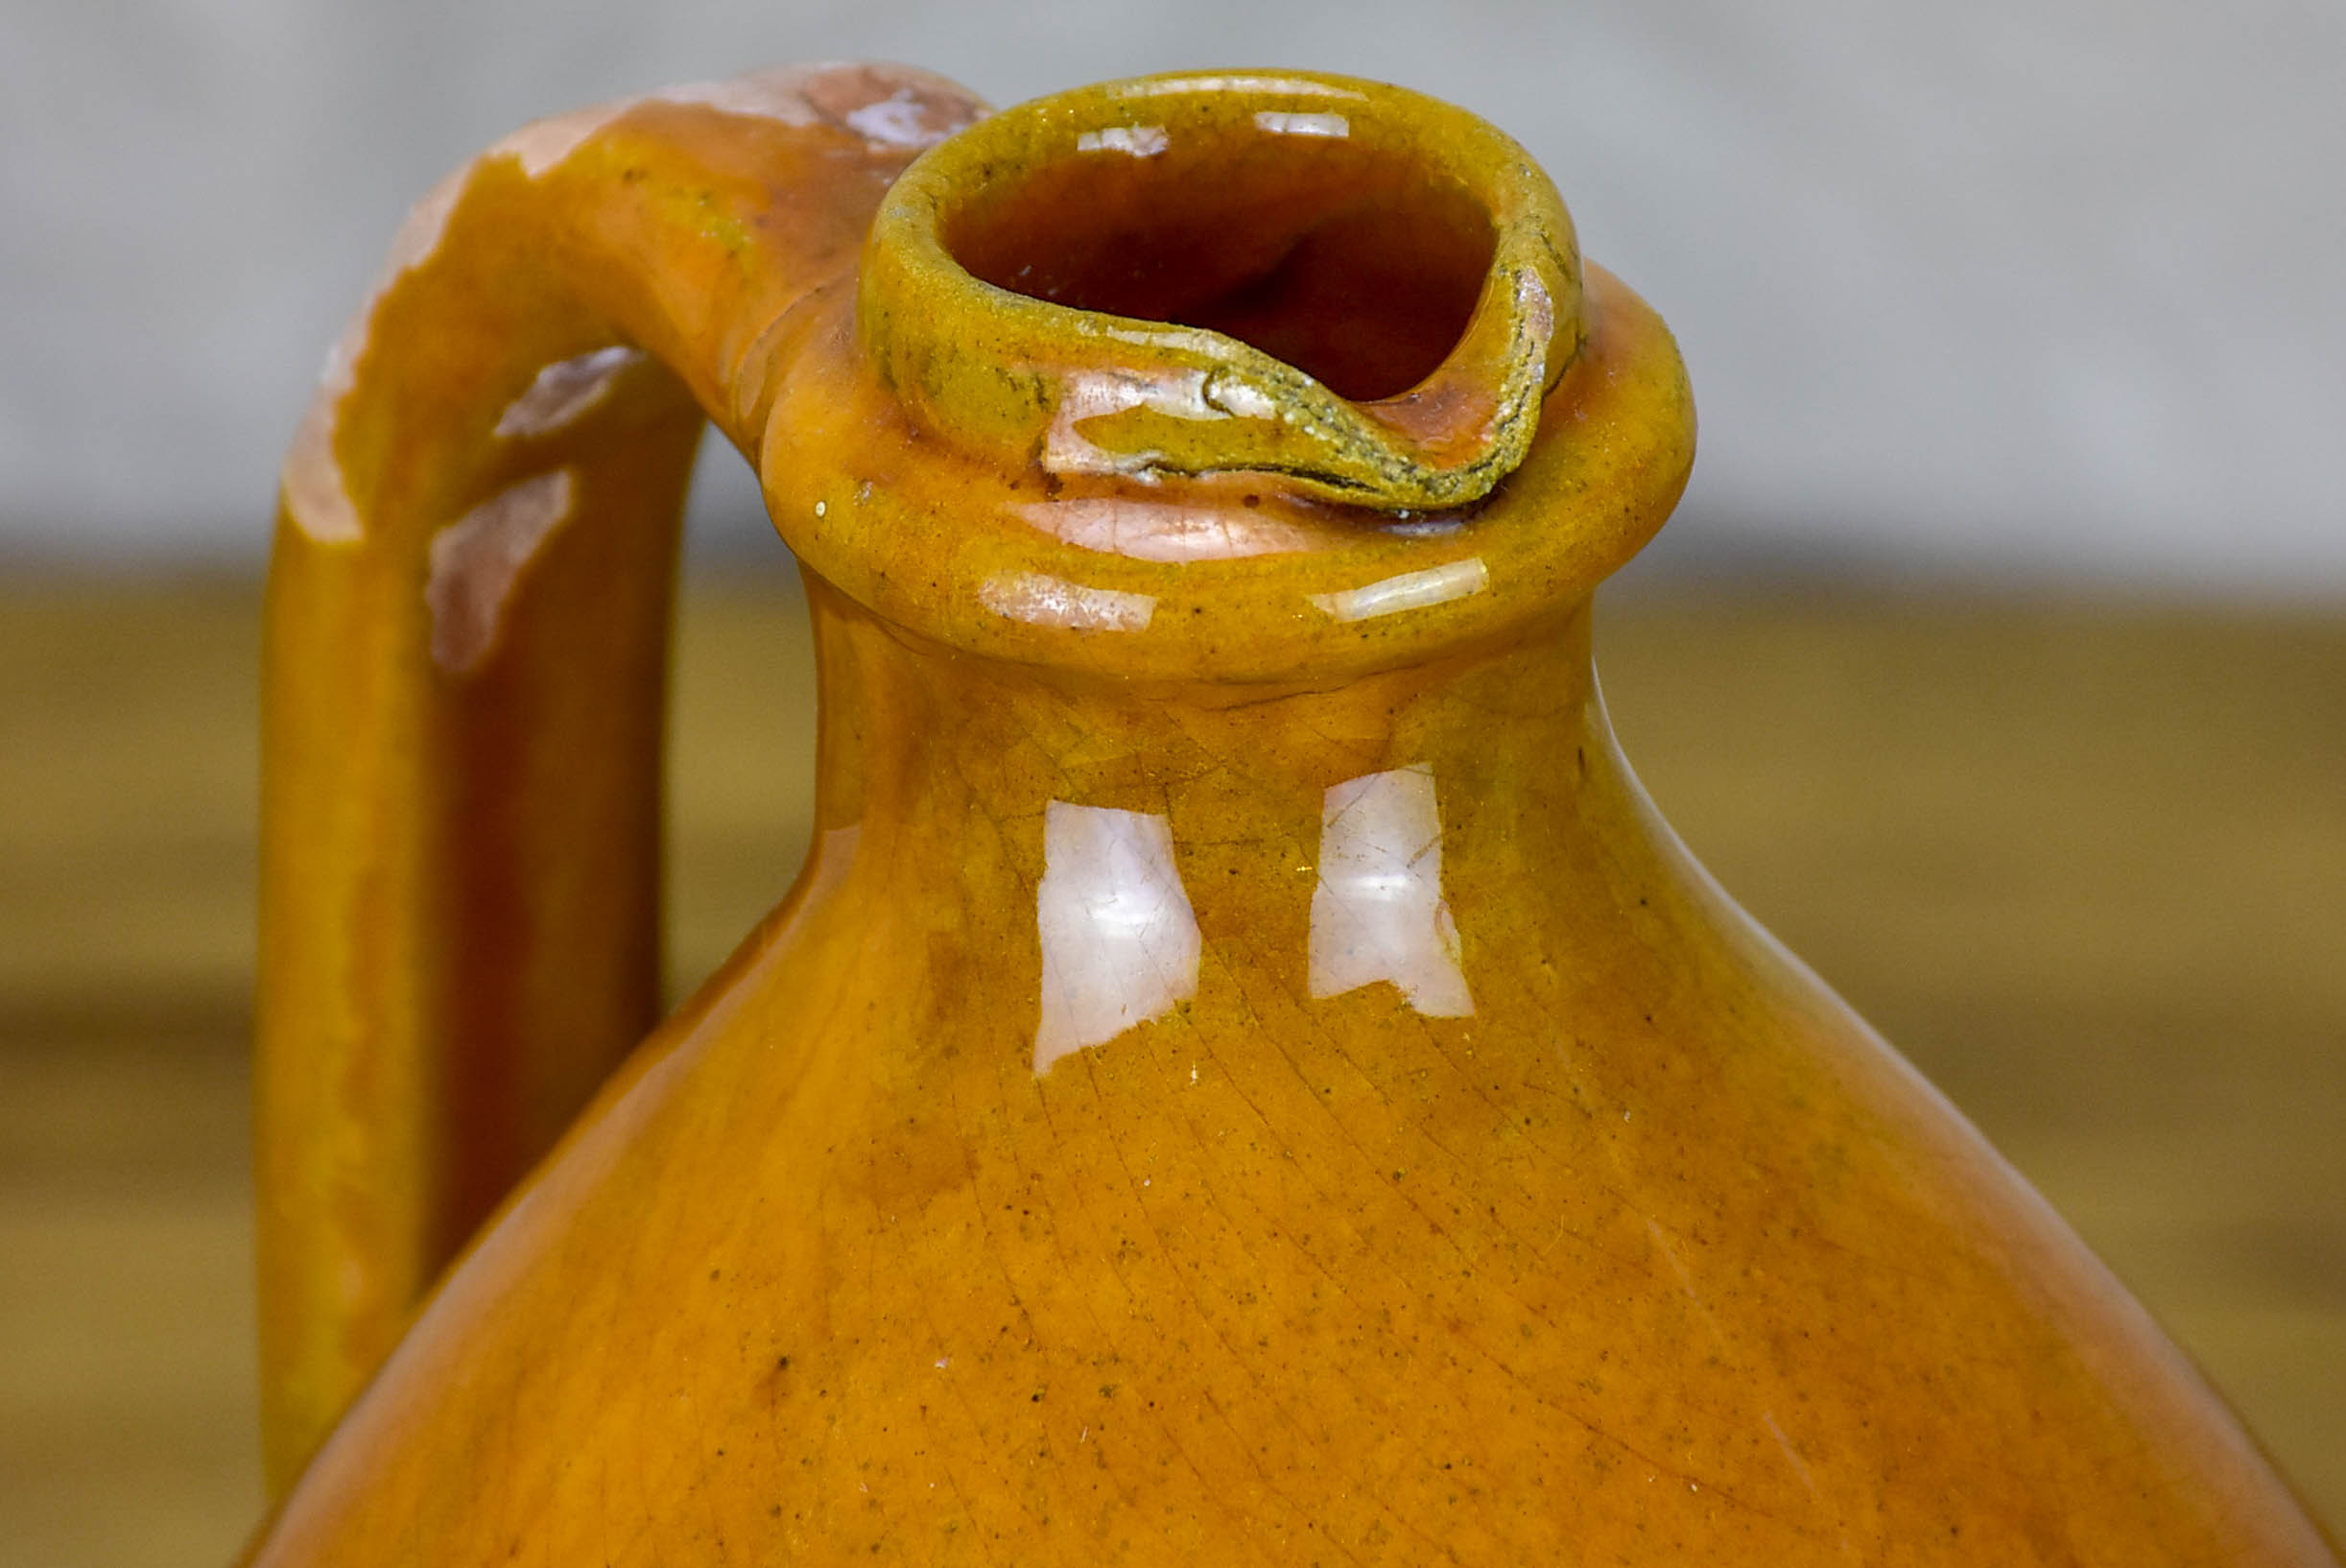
x=1351, y=292
x=1357, y=265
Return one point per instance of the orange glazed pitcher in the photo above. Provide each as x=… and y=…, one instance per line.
x=1244, y=1076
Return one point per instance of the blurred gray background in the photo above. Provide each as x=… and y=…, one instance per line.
x=2015, y=287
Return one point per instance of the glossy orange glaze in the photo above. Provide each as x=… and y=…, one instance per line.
x=1244, y=1076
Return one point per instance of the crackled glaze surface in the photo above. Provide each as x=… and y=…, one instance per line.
x=1244, y=1076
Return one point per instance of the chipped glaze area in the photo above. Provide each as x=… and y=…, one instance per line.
x=316, y=491
x=477, y=562
x=890, y=106
x=317, y=494
x=904, y=118
x=565, y=390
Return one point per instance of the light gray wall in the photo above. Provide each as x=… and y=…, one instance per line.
x=2018, y=284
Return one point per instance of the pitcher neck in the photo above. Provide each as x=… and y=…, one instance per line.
x=1108, y=856
x=957, y=759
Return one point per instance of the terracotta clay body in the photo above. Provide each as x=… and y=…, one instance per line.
x=1244, y=1076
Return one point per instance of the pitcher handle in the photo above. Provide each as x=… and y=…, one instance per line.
x=466, y=656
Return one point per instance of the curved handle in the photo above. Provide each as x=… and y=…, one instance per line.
x=465, y=651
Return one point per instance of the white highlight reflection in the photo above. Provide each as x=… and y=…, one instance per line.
x=1092, y=394
x=1302, y=125
x=1410, y=590
x=1283, y=85
x=1140, y=141
x=1120, y=943
x=1378, y=913
x=1039, y=599
x=1159, y=531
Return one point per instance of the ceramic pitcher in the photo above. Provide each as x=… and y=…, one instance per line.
x=1244, y=1076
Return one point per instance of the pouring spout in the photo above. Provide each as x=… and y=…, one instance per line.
x=1355, y=291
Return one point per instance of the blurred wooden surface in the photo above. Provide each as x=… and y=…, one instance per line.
x=2084, y=861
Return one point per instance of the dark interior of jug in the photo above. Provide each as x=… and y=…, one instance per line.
x=1352, y=263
